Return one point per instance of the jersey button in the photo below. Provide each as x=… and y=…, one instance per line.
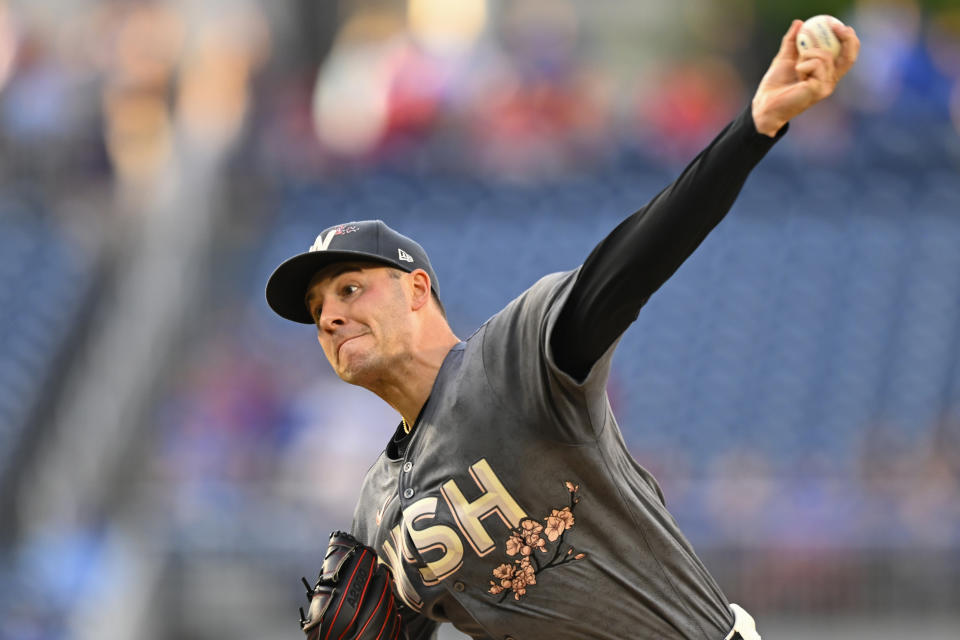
x=407, y=466
x=408, y=493
x=459, y=586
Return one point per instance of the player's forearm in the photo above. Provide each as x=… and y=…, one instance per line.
x=658, y=238
x=637, y=257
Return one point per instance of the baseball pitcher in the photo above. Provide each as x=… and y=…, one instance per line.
x=506, y=502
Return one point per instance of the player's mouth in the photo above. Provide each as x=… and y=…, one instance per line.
x=346, y=340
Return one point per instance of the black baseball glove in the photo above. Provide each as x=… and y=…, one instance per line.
x=353, y=597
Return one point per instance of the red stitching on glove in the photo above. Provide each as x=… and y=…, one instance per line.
x=347, y=590
x=383, y=594
x=371, y=571
x=383, y=627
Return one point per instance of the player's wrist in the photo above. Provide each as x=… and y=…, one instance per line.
x=765, y=122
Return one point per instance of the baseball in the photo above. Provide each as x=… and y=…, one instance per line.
x=817, y=34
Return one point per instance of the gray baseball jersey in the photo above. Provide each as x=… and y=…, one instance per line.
x=517, y=511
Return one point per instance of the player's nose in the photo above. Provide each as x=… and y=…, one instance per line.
x=332, y=316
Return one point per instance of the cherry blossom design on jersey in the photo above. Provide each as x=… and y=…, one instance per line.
x=532, y=542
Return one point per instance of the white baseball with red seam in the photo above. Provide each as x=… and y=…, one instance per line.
x=817, y=34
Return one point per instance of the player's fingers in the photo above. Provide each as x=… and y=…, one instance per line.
x=808, y=67
x=788, y=45
x=817, y=74
x=849, y=48
x=819, y=66
x=824, y=60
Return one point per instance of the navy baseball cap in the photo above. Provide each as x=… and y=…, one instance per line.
x=364, y=240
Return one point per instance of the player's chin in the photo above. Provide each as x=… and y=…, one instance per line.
x=347, y=374
x=354, y=368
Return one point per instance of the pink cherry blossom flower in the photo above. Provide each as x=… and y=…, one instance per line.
x=527, y=571
x=504, y=571
x=519, y=585
x=557, y=522
x=514, y=543
x=531, y=537
x=531, y=528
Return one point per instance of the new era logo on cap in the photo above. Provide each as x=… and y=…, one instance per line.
x=403, y=255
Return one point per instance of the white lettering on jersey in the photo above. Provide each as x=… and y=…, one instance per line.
x=391, y=558
x=434, y=537
x=494, y=501
x=469, y=517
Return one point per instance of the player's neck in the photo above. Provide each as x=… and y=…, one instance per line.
x=412, y=381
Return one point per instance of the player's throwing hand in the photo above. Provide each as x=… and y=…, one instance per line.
x=794, y=82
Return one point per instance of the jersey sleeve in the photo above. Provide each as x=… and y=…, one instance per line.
x=524, y=377
x=642, y=252
x=547, y=354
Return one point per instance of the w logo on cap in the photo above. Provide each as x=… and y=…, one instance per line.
x=323, y=242
x=403, y=255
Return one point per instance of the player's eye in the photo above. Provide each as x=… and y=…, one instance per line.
x=348, y=290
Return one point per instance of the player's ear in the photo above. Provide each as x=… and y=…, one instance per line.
x=419, y=288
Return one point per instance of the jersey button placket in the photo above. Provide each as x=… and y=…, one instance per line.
x=406, y=468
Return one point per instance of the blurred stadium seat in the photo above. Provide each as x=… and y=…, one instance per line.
x=44, y=279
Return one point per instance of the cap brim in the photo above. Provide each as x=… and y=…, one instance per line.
x=287, y=286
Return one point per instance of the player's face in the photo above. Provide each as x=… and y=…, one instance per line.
x=362, y=315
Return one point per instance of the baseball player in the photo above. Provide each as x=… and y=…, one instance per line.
x=506, y=501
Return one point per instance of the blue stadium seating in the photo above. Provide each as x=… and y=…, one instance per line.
x=825, y=302
x=43, y=277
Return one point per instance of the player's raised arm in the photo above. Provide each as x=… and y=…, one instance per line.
x=797, y=80
x=631, y=263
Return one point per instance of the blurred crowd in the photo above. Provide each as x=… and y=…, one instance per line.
x=516, y=89
x=532, y=89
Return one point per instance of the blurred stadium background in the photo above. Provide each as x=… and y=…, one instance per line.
x=173, y=456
